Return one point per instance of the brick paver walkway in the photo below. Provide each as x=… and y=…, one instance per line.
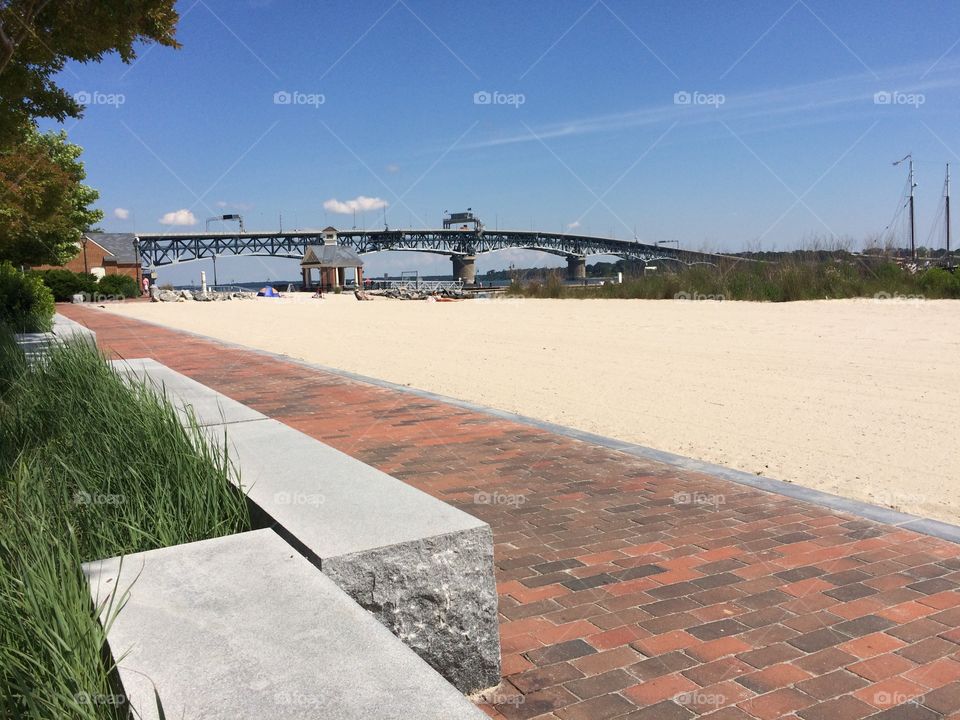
x=628, y=588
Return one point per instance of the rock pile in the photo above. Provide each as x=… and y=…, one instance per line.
x=158, y=295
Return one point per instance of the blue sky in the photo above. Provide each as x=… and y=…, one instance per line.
x=722, y=125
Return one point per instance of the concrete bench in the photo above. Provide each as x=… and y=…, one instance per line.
x=244, y=628
x=188, y=396
x=422, y=567
x=36, y=345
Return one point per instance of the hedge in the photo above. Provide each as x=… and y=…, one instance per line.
x=26, y=304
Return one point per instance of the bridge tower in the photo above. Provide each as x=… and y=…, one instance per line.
x=465, y=268
x=576, y=267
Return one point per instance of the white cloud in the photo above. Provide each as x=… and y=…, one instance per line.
x=574, y=225
x=121, y=213
x=393, y=168
x=361, y=203
x=233, y=205
x=179, y=217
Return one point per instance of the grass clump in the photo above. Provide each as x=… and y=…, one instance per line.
x=782, y=281
x=90, y=467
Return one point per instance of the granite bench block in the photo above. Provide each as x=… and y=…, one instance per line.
x=244, y=628
x=187, y=395
x=35, y=346
x=422, y=567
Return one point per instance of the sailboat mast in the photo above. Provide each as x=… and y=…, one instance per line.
x=947, y=213
x=913, y=216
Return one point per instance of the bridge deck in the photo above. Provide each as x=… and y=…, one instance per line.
x=163, y=249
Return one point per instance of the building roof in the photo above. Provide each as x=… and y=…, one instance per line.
x=120, y=246
x=330, y=256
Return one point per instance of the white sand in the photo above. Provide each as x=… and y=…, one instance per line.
x=859, y=398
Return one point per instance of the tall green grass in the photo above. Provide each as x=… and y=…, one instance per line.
x=90, y=467
x=783, y=281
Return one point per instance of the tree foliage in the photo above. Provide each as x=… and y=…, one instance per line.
x=44, y=205
x=38, y=37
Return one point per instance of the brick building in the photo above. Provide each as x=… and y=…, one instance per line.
x=104, y=254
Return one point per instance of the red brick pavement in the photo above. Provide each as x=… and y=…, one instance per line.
x=621, y=597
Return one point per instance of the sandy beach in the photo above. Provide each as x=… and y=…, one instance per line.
x=854, y=397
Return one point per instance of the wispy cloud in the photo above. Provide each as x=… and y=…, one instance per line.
x=798, y=104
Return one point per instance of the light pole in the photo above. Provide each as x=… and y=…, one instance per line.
x=220, y=218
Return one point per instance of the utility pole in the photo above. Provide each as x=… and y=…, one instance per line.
x=913, y=215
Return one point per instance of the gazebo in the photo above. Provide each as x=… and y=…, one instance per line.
x=332, y=261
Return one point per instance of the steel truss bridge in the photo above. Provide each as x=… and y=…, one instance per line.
x=156, y=250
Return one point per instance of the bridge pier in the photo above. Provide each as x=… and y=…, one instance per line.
x=576, y=267
x=465, y=268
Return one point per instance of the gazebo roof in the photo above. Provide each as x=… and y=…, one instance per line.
x=330, y=256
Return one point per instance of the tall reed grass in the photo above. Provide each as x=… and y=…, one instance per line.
x=90, y=467
x=783, y=281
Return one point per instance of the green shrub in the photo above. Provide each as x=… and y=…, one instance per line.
x=940, y=283
x=118, y=286
x=26, y=304
x=64, y=284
